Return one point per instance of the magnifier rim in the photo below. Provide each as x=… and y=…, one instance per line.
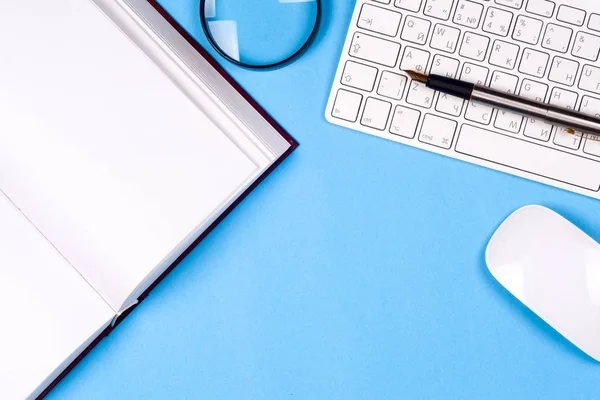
x=277, y=64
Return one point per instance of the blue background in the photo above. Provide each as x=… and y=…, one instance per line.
x=355, y=271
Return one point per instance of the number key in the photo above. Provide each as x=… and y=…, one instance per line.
x=528, y=30
x=468, y=13
x=438, y=8
x=410, y=5
x=586, y=46
x=497, y=21
x=557, y=38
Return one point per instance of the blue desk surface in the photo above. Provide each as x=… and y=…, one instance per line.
x=355, y=271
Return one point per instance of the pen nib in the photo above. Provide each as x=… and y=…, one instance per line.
x=417, y=76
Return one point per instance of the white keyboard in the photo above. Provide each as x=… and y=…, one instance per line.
x=540, y=49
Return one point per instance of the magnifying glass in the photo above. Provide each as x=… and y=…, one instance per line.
x=260, y=34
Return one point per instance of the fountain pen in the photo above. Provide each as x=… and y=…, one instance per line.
x=573, y=122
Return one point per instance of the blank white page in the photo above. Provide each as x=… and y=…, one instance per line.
x=49, y=313
x=107, y=157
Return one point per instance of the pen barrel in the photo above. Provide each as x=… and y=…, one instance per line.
x=562, y=117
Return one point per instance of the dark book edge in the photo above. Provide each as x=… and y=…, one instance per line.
x=293, y=145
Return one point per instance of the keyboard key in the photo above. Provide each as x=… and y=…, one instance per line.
x=566, y=99
x=508, y=121
x=382, y=1
x=416, y=30
x=420, y=95
x=437, y=131
x=480, y=113
x=439, y=9
x=563, y=71
x=587, y=46
x=592, y=147
x=346, y=105
x=516, y=4
x=468, y=13
x=538, y=129
x=504, y=82
x=444, y=38
x=590, y=79
x=445, y=66
x=570, y=15
x=497, y=21
x=392, y=85
x=525, y=156
x=528, y=30
x=414, y=59
x=450, y=105
x=474, y=46
x=557, y=38
x=567, y=140
x=533, y=90
x=535, y=128
x=410, y=5
x=504, y=54
x=590, y=106
x=543, y=8
x=405, y=121
x=376, y=113
x=374, y=49
x=594, y=23
x=359, y=76
x=474, y=74
x=534, y=63
x=379, y=20
x=563, y=98
x=476, y=112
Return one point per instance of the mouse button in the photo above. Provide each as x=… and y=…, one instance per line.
x=533, y=236
x=554, y=269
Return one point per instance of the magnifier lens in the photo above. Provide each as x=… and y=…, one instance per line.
x=259, y=33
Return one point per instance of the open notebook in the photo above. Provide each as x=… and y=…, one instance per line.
x=122, y=144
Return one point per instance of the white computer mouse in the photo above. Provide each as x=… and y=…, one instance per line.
x=553, y=268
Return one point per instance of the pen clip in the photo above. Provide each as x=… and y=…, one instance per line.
x=572, y=131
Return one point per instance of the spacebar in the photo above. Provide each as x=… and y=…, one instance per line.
x=529, y=157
